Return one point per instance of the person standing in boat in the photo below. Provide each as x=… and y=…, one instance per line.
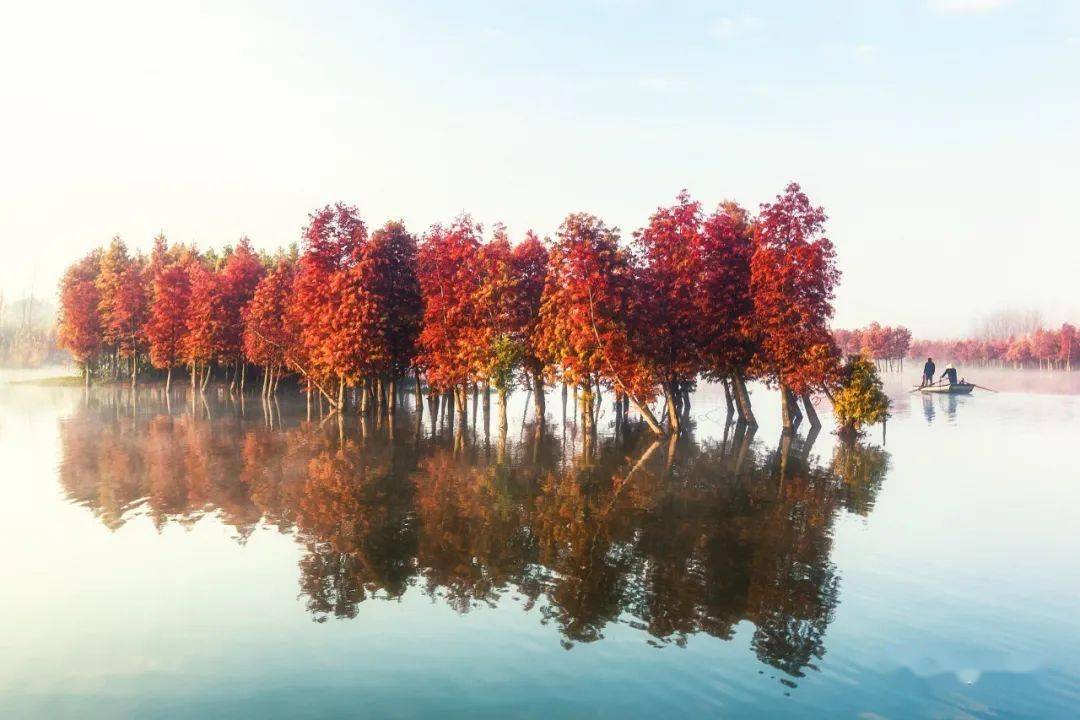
x=928, y=372
x=950, y=373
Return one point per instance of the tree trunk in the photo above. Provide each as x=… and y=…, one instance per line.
x=243, y=377
x=789, y=410
x=585, y=405
x=419, y=392
x=672, y=410
x=538, y=396
x=811, y=413
x=168, y=380
x=341, y=394
x=742, y=399
x=728, y=397
x=86, y=374
x=391, y=396
x=502, y=411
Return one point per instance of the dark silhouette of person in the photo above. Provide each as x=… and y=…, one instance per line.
x=950, y=373
x=928, y=372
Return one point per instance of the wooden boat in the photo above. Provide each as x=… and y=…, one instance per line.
x=957, y=389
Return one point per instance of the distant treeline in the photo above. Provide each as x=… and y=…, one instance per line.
x=28, y=334
x=1040, y=348
x=350, y=313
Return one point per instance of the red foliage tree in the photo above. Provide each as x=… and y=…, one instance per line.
x=80, y=328
x=271, y=334
x=1070, y=346
x=124, y=304
x=386, y=281
x=726, y=330
x=793, y=276
x=669, y=250
x=240, y=275
x=205, y=320
x=450, y=272
x=584, y=331
x=529, y=262
x=325, y=310
x=168, y=322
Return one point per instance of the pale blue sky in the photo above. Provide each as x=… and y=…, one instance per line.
x=940, y=135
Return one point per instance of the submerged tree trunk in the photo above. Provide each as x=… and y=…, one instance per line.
x=168, y=380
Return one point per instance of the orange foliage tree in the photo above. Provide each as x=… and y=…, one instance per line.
x=80, y=331
x=166, y=327
x=584, y=332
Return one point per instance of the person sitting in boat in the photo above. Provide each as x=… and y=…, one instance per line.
x=950, y=373
x=928, y=372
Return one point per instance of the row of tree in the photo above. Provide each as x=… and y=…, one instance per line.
x=350, y=313
x=1043, y=348
x=887, y=346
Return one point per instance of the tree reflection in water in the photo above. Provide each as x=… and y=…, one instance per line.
x=671, y=538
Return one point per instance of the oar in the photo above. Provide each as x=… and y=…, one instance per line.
x=984, y=388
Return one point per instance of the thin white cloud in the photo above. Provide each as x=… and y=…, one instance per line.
x=727, y=27
x=662, y=82
x=966, y=6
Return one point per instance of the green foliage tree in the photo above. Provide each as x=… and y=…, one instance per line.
x=860, y=400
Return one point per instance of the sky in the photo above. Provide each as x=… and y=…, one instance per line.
x=939, y=135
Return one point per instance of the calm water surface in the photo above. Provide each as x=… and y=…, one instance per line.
x=225, y=560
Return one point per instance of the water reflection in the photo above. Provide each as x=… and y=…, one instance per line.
x=943, y=402
x=672, y=538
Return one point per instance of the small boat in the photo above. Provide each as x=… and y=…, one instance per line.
x=955, y=389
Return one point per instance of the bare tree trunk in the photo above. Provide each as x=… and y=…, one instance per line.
x=728, y=397
x=168, y=380
x=564, y=402
x=391, y=396
x=742, y=399
x=789, y=410
x=502, y=412
x=419, y=393
x=341, y=394
x=811, y=413
x=672, y=410
x=538, y=396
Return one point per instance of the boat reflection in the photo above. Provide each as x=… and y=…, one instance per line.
x=672, y=538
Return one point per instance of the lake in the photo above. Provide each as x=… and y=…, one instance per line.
x=220, y=558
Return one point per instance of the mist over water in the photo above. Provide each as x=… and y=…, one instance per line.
x=220, y=557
